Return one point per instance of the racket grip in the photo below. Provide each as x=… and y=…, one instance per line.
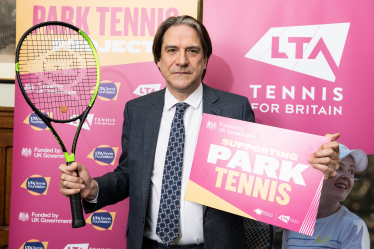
x=76, y=208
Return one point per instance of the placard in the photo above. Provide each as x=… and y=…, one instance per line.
x=257, y=171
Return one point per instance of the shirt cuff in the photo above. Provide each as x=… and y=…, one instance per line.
x=95, y=200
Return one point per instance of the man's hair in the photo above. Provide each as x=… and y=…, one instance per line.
x=201, y=31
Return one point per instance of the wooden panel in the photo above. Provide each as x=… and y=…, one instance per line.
x=6, y=151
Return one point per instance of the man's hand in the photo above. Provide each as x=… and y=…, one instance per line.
x=326, y=159
x=71, y=184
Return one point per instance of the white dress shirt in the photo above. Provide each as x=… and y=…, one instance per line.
x=191, y=214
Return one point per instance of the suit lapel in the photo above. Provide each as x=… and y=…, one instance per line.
x=209, y=101
x=151, y=129
x=210, y=106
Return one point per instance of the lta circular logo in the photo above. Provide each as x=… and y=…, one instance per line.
x=101, y=220
x=34, y=244
x=104, y=155
x=108, y=90
x=35, y=122
x=36, y=184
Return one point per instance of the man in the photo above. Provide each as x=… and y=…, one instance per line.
x=158, y=142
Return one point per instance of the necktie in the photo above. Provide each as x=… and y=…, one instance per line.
x=168, y=214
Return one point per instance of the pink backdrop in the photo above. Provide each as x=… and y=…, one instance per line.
x=250, y=40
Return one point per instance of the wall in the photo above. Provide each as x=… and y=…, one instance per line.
x=7, y=95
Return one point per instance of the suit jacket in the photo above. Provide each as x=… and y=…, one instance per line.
x=132, y=177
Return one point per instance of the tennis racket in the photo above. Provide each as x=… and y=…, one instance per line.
x=58, y=71
x=259, y=235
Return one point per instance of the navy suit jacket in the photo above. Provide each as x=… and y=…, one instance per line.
x=132, y=177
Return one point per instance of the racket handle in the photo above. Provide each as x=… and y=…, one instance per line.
x=76, y=208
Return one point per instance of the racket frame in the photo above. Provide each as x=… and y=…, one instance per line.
x=70, y=158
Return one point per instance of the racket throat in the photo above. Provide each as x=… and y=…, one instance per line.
x=69, y=158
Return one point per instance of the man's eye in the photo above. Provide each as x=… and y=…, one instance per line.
x=340, y=169
x=193, y=51
x=171, y=50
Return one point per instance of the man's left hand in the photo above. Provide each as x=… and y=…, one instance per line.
x=326, y=159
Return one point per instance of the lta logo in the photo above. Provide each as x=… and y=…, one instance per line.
x=315, y=50
x=35, y=122
x=284, y=218
x=36, y=184
x=145, y=89
x=34, y=244
x=108, y=90
x=104, y=155
x=101, y=220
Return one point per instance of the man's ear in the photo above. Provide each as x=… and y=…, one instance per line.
x=158, y=64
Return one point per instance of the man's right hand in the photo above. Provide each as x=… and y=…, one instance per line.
x=71, y=184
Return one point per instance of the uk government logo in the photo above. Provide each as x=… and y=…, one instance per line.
x=104, y=155
x=35, y=122
x=26, y=152
x=314, y=50
x=211, y=125
x=36, y=184
x=262, y=212
x=101, y=220
x=49, y=218
x=34, y=244
x=108, y=90
x=42, y=152
x=145, y=89
x=23, y=216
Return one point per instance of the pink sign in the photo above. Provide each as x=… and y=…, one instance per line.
x=257, y=171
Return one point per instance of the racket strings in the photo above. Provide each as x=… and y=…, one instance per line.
x=58, y=71
x=257, y=234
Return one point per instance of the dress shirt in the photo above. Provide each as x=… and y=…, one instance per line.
x=191, y=214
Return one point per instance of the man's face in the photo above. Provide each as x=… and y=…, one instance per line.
x=338, y=188
x=182, y=61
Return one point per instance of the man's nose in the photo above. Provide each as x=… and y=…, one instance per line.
x=182, y=59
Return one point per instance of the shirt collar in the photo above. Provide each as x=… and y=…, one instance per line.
x=193, y=100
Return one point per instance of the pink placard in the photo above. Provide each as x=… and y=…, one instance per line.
x=257, y=171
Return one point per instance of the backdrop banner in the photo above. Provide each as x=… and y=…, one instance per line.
x=304, y=65
x=122, y=33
